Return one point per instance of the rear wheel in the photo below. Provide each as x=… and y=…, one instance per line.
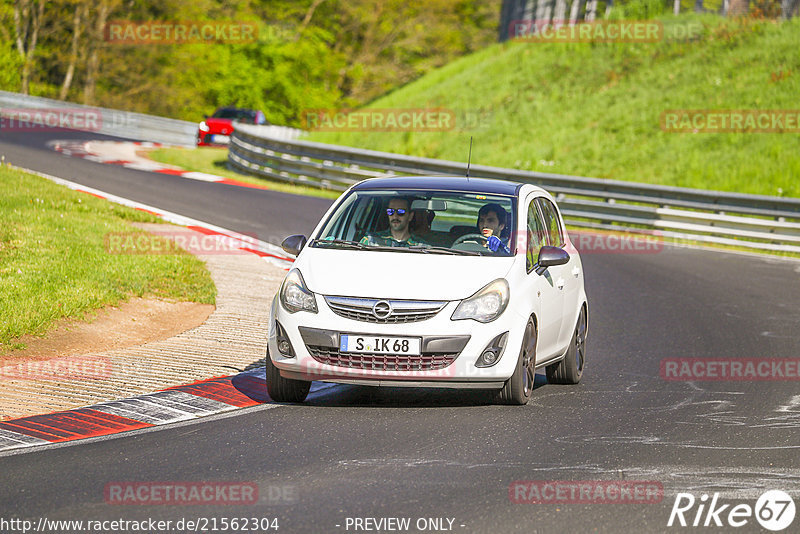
x=518, y=389
x=570, y=369
x=282, y=389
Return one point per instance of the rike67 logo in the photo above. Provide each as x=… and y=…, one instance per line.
x=774, y=510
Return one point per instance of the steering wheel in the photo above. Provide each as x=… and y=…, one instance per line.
x=470, y=237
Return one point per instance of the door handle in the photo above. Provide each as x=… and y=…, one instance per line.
x=560, y=283
x=575, y=272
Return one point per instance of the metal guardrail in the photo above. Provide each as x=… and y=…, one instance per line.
x=125, y=123
x=112, y=122
x=750, y=221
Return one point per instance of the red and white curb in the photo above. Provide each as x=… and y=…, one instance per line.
x=172, y=405
x=269, y=252
x=175, y=404
x=123, y=153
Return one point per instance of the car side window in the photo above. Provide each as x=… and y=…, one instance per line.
x=536, y=237
x=555, y=234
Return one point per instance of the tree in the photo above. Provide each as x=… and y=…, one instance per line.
x=591, y=10
x=789, y=8
x=336, y=53
x=738, y=7
x=574, y=12
x=95, y=38
x=28, y=18
x=81, y=14
x=560, y=13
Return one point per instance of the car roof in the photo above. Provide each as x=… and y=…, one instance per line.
x=234, y=108
x=442, y=183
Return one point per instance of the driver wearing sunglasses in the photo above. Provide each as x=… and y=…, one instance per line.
x=398, y=234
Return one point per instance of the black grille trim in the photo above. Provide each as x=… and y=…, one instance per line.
x=381, y=362
x=403, y=311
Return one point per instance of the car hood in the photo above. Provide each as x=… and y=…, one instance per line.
x=398, y=275
x=219, y=123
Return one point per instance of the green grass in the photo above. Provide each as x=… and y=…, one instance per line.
x=214, y=160
x=594, y=109
x=54, y=264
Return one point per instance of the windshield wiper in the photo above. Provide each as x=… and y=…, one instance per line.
x=424, y=249
x=341, y=243
x=384, y=248
x=444, y=250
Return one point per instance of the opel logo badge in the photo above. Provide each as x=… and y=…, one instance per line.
x=382, y=309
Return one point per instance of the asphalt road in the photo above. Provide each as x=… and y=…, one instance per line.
x=268, y=215
x=358, y=452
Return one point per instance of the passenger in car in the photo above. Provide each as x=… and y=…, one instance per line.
x=421, y=229
x=491, y=223
x=421, y=223
x=399, y=233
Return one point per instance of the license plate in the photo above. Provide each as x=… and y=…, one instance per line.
x=380, y=344
x=221, y=139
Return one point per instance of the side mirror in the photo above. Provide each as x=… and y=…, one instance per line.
x=205, y=116
x=295, y=243
x=549, y=256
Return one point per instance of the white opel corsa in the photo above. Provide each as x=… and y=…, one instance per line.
x=431, y=282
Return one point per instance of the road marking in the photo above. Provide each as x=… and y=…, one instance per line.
x=108, y=152
x=176, y=404
x=13, y=440
x=267, y=251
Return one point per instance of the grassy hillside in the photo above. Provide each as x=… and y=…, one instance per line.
x=594, y=109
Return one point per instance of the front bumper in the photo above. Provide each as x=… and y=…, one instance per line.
x=449, y=352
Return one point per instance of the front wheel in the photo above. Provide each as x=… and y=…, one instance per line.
x=282, y=389
x=570, y=369
x=518, y=389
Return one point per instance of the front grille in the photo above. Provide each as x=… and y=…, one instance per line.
x=402, y=311
x=382, y=362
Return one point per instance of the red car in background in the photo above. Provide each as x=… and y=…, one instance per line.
x=217, y=129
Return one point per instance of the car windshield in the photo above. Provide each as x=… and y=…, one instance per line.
x=429, y=222
x=241, y=115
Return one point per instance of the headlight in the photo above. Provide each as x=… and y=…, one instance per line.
x=294, y=295
x=486, y=305
x=203, y=126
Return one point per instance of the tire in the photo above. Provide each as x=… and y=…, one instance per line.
x=282, y=389
x=518, y=389
x=570, y=369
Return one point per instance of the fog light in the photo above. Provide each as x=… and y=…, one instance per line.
x=284, y=345
x=493, y=351
x=489, y=357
